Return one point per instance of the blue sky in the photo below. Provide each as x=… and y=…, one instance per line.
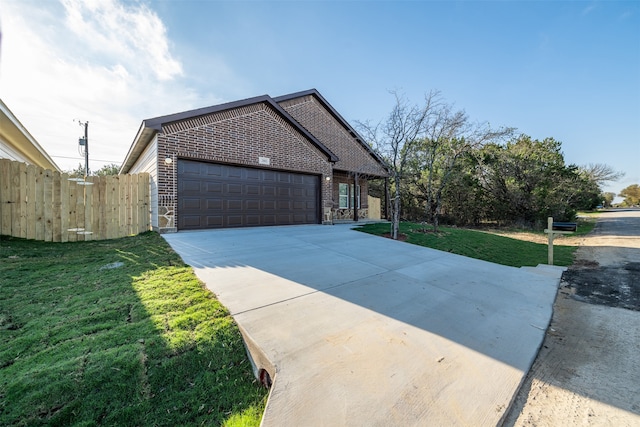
x=568, y=70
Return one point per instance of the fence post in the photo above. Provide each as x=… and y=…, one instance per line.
x=72, y=236
x=47, y=205
x=5, y=197
x=30, y=201
x=39, y=203
x=143, y=209
x=64, y=207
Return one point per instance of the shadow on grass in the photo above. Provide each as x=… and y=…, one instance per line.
x=116, y=332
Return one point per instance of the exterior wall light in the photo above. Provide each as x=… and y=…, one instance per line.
x=168, y=160
x=328, y=178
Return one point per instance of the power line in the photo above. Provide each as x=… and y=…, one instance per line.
x=95, y=160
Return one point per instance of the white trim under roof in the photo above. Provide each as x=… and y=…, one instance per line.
x=16, y=140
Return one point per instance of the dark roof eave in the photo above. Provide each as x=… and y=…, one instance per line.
x=151, y=126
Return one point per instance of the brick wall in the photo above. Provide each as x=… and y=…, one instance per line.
x=239, y=136
x=311, y=114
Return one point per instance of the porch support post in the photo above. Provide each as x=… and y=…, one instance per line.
x=355, y=199
x=386, y=198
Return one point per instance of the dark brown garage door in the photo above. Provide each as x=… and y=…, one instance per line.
x=212, y=195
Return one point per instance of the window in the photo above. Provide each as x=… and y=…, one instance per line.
x=343, y=196
x=347, y=196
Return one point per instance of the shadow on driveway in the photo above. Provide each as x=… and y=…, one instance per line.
x=358, y=327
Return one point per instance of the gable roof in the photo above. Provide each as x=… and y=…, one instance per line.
x=337, y=117
x=18, y=143
x=150, y=127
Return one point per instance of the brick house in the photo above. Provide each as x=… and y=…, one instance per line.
x=259, y=161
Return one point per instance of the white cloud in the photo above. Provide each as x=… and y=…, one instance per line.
x=133, y=34
x=109, y=64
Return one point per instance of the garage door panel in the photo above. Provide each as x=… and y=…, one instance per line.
x=214, y=204
x=234, y=221
x=214, y=187
x=252, y=220
x=284, y=205
x=191, y=221
x=299, y=219
x=284, y=218
x=284, y=192
x=233, y=172
x=252, y=205
x=244, y=196
x=190, y=203
x=191, y=168
x=284, y=177
x=213, y=169
x=215, y=221
x=234, y=205
x=268, y=220
x=191, y=186
x=234, y=188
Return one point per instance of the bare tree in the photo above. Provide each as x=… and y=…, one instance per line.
x=396, y=139
x=601, y=173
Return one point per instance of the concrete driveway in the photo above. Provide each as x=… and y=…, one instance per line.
x=356, y=329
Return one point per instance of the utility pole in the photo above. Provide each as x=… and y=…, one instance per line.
x=85, y=143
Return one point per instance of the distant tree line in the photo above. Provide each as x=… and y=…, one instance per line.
x=446, y=169
x=110, y=169
x=631, y=195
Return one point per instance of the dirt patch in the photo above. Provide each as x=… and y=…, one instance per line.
x=586, y=373
x=610, y=286
x=585, y=263
x=588, y=369
x=401, y=236
x=562, y=240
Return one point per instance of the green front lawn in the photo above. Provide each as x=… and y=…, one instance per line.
x=481, y=245
x=117, y=332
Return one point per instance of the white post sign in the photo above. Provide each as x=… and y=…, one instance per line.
x=554, y=229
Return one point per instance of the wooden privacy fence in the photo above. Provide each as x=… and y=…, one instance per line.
x=374, y=207
x=41, y=204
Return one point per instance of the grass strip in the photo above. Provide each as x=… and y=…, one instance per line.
x=481, y=245
x=117, y=332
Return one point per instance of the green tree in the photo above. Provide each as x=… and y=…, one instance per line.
x=607, y=198
x=464, y=200
x=631, y=195
x=451, y=138
x=527, y=180
x=77, y=172
x=110, y=169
